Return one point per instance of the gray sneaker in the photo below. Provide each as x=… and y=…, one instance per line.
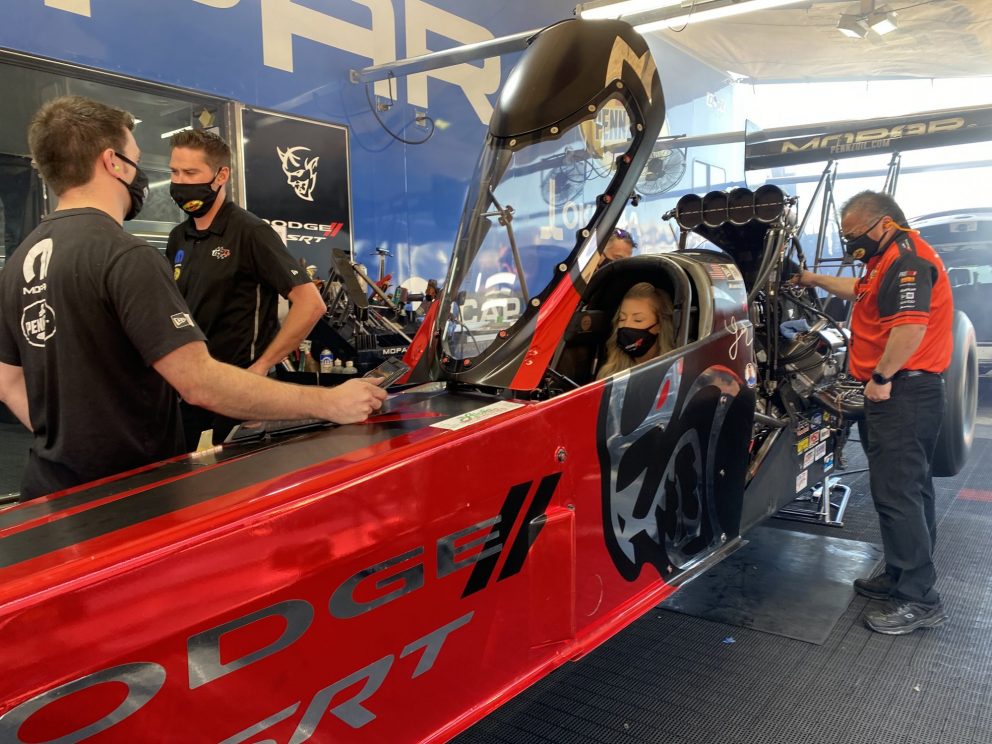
x=877, y=587
x=902, y=617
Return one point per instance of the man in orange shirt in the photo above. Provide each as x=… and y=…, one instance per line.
x=901, y=343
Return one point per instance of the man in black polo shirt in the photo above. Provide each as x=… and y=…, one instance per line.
x=231, y=267
x=95, y=339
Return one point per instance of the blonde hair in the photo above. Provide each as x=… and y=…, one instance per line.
x=617, y=359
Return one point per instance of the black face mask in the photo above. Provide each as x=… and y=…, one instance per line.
x=636, y=342
x=137, y=189
x=195, y=199
x=863, y=248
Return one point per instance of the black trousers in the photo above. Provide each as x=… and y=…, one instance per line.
x=901, y=437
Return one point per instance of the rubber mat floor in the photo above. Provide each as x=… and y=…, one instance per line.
x=675, y=679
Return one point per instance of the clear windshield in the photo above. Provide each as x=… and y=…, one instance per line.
x=524, y=213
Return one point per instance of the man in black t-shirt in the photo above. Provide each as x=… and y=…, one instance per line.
x=95, y=339
x=231, y=268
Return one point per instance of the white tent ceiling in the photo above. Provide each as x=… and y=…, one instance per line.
x=934, y=39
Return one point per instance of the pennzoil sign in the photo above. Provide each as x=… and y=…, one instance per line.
x=794, y=145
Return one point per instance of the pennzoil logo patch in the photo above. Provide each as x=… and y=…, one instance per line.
x=38, y=323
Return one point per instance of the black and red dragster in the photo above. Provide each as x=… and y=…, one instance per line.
x=506, y=513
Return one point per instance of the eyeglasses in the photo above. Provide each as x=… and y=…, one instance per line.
x=624, y=235
x=847, y=237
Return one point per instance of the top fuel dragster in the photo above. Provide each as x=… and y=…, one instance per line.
x=505, y=513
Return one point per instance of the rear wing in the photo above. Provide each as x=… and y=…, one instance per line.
x=783, y=146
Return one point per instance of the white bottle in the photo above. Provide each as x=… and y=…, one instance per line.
x=338, y=368
x=349, y=368
x=326, y=361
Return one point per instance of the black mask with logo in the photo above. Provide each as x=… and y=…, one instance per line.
x=863, y=248
x=137, y=189
x=195, y=199
x=635, y=342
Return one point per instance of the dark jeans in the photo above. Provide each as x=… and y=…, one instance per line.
x=901, y=436
x=196, y=420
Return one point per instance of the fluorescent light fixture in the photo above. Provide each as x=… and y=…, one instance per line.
x=853, y=26
x=882, y=21
x=619, y=8
x=713, y=11
x=166, y=135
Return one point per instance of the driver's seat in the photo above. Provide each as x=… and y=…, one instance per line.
x=592, y=324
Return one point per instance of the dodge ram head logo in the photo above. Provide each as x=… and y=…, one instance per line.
x=301, y=171
x=659, y=433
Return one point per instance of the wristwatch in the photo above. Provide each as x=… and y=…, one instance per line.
x=880, y=379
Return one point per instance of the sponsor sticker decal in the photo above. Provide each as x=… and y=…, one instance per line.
x=479, y=414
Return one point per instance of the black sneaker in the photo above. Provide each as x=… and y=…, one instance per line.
x=877, y=587
x=901, y=617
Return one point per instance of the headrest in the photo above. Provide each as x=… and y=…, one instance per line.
x=609, y=284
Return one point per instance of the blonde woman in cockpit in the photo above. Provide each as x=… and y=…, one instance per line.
x=642, y=329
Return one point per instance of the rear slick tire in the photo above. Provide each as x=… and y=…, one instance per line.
x=957, y=430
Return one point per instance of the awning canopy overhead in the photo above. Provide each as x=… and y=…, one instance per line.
x=935, y=39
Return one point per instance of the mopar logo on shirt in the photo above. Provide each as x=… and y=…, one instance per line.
x=41, y=254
